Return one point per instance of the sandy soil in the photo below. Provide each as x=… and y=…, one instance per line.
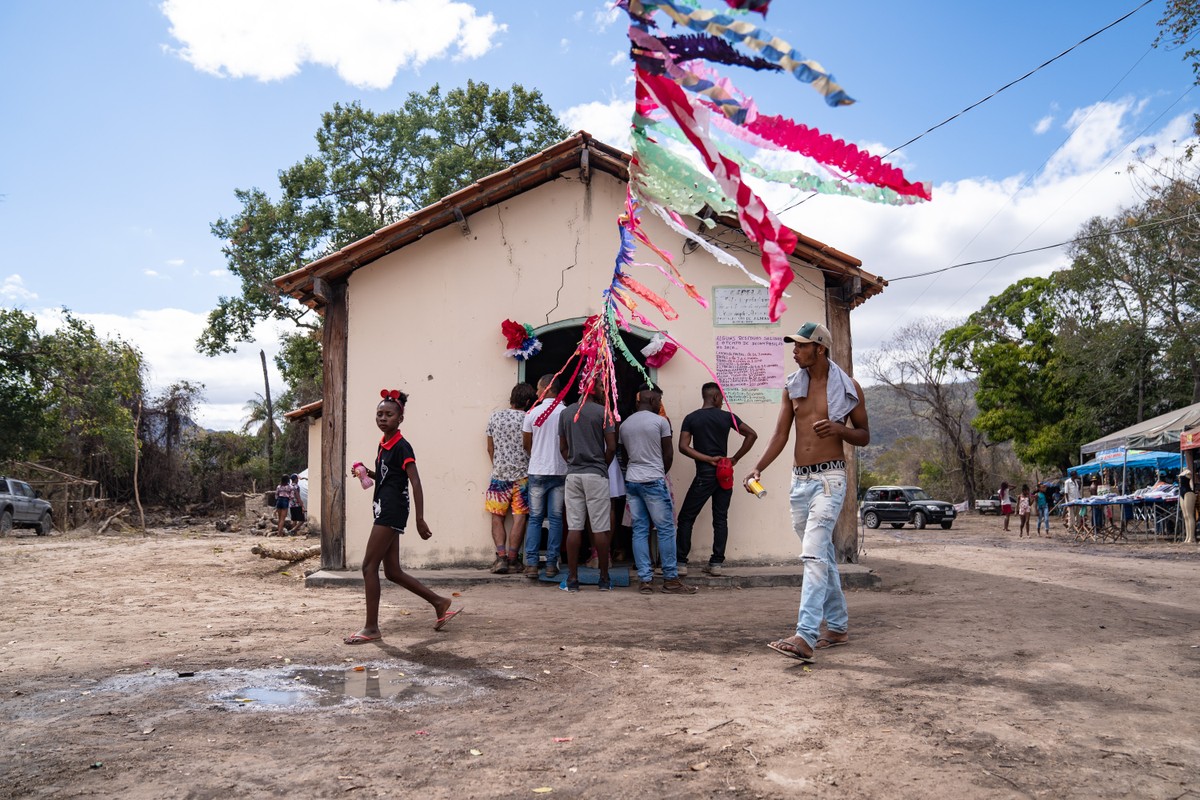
x=179, y=665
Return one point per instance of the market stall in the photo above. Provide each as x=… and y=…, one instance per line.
x=1120, y=514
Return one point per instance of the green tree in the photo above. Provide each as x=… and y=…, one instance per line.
x=371, y=169
x=299, y=362
x=68, y=397
x=1177, y=29
x=23, y=422
x=94, y=387
x=1009, y=346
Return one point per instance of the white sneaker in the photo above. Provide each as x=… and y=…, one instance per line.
x=713, y=569
x=682, y=570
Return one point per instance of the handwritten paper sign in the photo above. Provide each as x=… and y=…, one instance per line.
x=751, y=368
x=741, y=305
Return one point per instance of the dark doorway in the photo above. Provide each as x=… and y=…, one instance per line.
x=558, y=345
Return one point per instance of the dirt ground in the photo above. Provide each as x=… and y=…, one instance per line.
x=178, y=665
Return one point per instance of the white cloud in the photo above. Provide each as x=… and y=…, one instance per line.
x=602, y=20
x=174, y=262
x=13, y=290
x=149, y=273
x=1097, y=132
x=366, y=41
x=577, y=16
x=1043, y=124
x=618, y=57
x=564, y=45
x=608, y=122
x=167, y=341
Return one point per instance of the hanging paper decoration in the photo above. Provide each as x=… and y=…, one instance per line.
x=664, y=79
x=521, y=342
x=750, y=5
x=659, y=351
x=679, y=103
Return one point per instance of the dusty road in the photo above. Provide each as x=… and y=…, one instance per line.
x=178, y=665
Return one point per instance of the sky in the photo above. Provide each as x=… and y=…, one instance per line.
x=131, y=123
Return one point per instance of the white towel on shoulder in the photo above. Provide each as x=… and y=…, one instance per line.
x=839, y=391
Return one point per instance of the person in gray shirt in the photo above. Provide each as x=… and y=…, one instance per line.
x=646, y=436
x=588, y=446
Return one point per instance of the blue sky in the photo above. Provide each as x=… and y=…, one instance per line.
x=129, y=124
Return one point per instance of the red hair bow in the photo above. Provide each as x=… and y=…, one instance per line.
x=395, y=395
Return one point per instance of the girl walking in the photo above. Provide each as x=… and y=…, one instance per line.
x=1006, y=502
x=1043, y=509
x=283, y=501
x=1023, y=503
x=396, y=478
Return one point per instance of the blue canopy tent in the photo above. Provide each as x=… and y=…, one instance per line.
x=1132, y=459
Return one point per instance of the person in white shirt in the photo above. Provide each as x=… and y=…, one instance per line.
x=1070, y=489
x=547, y=476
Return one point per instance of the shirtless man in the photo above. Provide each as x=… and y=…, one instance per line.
x=827, y=408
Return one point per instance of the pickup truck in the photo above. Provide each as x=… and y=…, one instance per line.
x=989, y=506
x=20, y=507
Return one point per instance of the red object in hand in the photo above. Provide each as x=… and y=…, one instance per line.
x=725, y=473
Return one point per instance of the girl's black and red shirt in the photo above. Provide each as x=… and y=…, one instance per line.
x=390, y=501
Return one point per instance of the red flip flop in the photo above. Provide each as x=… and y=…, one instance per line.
x=360, y=638
x=442, y=621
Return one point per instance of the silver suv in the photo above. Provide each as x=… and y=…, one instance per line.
x=20, y=507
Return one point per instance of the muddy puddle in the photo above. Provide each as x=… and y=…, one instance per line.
x=317, y=687
x=287, y=688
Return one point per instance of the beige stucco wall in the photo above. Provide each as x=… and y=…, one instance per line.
x=426, y=319
x=314, y=472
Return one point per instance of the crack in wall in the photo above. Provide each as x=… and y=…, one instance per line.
x=562, y=277
x=504, y=239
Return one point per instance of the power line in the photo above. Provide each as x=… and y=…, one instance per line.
x=1106, y=234
x=1018, y=80
x=993, y=94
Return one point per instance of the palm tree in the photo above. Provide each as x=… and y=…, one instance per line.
x=259, y=412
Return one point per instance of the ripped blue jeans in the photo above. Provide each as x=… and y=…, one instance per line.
x=816, y=503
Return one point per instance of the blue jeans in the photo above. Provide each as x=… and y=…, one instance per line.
x=816, y=503
x=651, y=502
x=545, y=501
x=1044, y=516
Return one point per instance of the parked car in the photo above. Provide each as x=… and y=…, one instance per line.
x=20, y=507
x=989, y=506
x=900, y=505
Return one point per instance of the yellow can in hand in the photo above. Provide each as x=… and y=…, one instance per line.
x=756, y=487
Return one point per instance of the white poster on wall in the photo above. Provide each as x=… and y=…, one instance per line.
x=751, y=368
x=741, y=305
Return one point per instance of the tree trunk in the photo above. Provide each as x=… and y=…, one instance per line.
x=845, y=532
x=270, y=414
x=333, y=434
x=137, y=457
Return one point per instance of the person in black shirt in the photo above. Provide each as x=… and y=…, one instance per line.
x=704, y=437
x=395, y=477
